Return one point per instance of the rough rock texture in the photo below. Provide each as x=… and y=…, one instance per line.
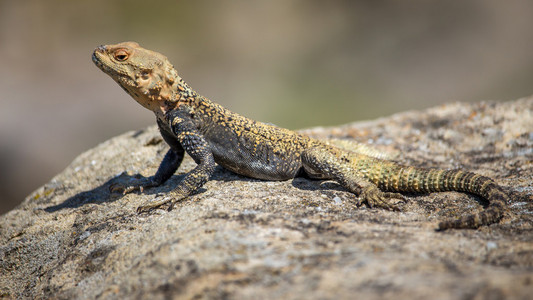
x=245, y=238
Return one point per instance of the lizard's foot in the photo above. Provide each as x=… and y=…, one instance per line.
x=135, y=184
x=374, y=197
x=155, y=203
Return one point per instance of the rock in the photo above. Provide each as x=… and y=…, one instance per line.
x=243, y=238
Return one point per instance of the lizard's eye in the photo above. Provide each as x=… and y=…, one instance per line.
x=121, y=55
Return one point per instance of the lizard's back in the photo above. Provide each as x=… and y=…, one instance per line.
x=249, y=147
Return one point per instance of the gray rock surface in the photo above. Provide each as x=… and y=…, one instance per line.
x=242, y=238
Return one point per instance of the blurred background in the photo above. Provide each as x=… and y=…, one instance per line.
x=294, y=63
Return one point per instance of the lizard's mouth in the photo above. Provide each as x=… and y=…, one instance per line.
x=96, y=59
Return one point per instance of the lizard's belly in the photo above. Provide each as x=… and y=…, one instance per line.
x=261, y=161
x=255, y=149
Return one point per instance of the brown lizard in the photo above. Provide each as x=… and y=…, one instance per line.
x=210, y=133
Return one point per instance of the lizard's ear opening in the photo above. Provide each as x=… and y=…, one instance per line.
x=154, y=85
x=145, y=82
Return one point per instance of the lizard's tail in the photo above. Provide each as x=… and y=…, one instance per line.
x=412, y=179
x=484, y=187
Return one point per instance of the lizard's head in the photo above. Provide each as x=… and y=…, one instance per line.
x=146, y=75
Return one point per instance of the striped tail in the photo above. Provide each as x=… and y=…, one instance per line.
x=411, y=179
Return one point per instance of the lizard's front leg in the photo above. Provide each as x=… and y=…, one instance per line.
x=333, y=163
x=197, y=147
x=168, y=166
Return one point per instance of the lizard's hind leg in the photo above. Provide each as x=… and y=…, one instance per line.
x=336, y=164
x=360, y=148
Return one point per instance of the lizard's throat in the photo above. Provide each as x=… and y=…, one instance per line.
x=158, y=98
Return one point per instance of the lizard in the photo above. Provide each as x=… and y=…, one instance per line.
x=212, y=134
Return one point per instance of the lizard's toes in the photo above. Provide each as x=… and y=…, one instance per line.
x=398, y=196
x=398, y=200
x=388, y=204
x=117, y=188
x=358, y=201
x=155, y=203
x=386, y=200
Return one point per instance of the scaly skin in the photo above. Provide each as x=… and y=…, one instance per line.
x=210, y=133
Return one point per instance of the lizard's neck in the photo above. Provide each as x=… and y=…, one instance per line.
x=179, y=93
x=161, y=91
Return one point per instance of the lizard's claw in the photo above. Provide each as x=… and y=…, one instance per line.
x=376, y=198
x=131, y=186
x=119, y=188
x=155, y=203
